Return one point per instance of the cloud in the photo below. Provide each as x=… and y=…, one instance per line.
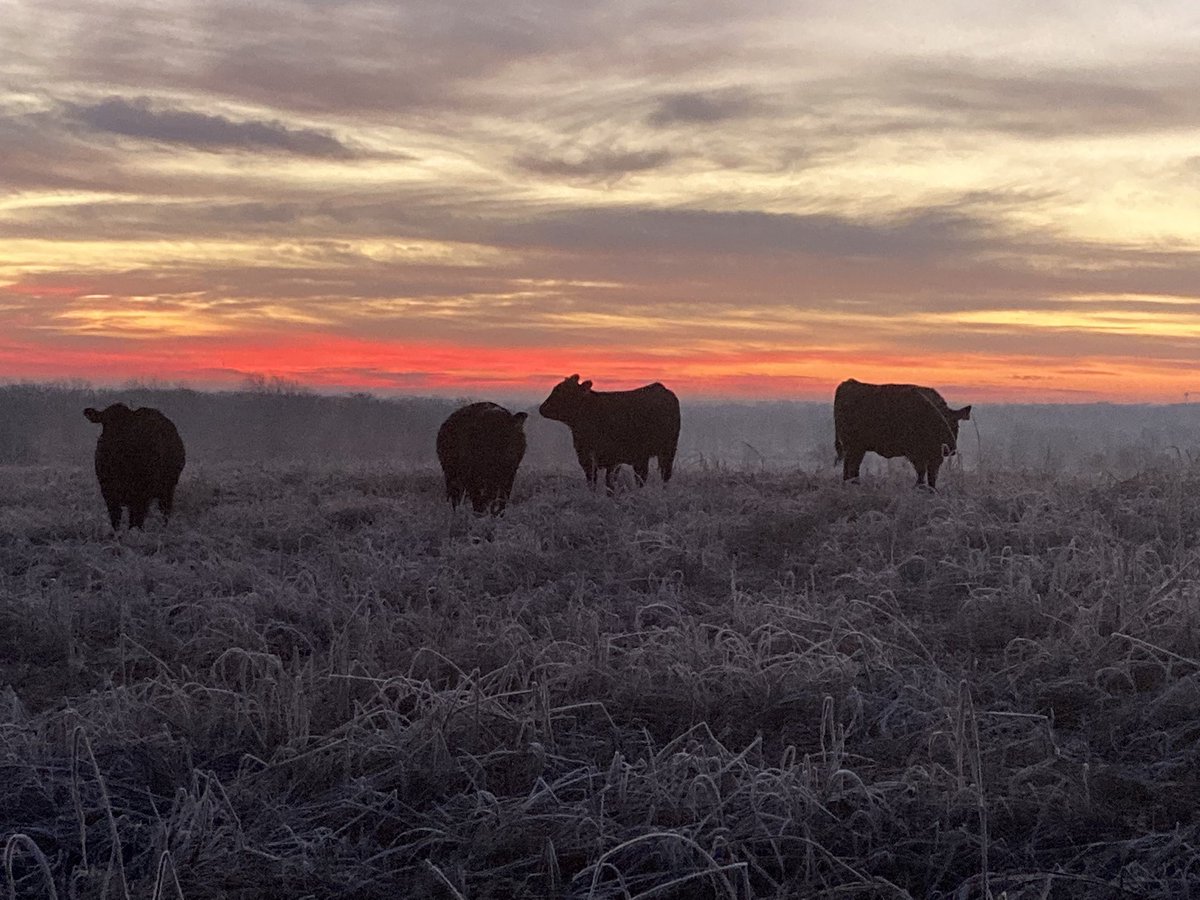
x=921, y=233
x=705, y=108
x=599, y=165
x=39, y=155
x=342, y=57
x=138, y=118
x=1037, y=102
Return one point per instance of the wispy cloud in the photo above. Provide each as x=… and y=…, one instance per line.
x=597, y=164
x=140, y=119
x=1044, y=102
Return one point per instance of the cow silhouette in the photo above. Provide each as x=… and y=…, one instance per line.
x=611, y=428
x=139, y=456
x=894, y=420
x=480, y=447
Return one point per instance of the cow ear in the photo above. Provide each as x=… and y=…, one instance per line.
x=587, y=385
x=93, y=415
x=520, y=417
x=964, y=413
x=574, y=379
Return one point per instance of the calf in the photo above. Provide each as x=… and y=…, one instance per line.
x=609, y=428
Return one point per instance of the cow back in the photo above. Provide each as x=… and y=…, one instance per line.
x=478, y=435
x=140, y=453
x=625, y=426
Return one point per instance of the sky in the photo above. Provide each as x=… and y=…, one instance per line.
x=757, y=200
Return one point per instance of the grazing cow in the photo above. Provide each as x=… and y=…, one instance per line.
x=139, y=456
x=895, y=420
x=609, y=428
x=480, y=447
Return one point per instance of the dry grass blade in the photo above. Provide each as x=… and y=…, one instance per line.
x=715, y=869
x=11, y=846
x=116, y=860
x=969, y=735
x=444, y=881
x=166, y=864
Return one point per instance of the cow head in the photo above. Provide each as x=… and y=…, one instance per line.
x=114, y=416
x=952, y=418
x=519, y=419
x=566, y=400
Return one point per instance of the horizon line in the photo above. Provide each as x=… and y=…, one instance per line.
x=284, y=387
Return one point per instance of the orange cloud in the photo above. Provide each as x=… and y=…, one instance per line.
x=48, y=289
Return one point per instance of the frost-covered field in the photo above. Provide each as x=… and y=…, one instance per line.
x=319, y=682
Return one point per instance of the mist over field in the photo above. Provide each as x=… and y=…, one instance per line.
x=43, y=425
x=757, y=682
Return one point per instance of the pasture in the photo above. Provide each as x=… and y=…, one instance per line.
x=319, y=682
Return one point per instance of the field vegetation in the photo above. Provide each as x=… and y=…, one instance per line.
x=318, y=681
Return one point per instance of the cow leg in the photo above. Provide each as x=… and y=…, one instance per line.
x=137, y=512
x=666, y=462
x=166, y=502
x=935, y=465
x=503, y=493
x=471, y=489
x=480, y=500
x=114, y=512
x=454, y=492
x=492, y=497
x=852, y=464
x=922, y=467
x=587, y=462
x=641, y=471
x=610, y=479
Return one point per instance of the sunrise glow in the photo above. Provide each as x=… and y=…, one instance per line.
x=475, y=199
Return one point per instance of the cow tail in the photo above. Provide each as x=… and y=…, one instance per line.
x=838, y=447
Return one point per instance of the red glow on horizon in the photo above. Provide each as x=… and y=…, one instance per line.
x=345, y=363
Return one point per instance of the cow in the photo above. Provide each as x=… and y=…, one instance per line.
x=609, y=428
x=894, y=420
x=480, y=447
x=139, y=456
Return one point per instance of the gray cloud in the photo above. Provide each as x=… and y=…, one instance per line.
x=353, y=56
x=139, y=119
x=1034, y=103
x=38, y=155
x=923, y=233
x=698, y=107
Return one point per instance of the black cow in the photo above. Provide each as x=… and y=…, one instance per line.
x=480, y=447
x=895, y=420
x=609, y=428
x=139, y=456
